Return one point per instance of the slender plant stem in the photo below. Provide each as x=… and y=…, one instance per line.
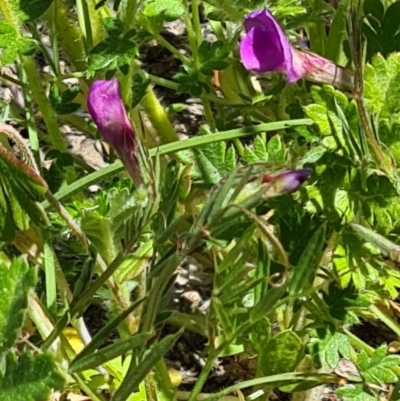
x=117, y=167
x=48, y=57
x=194, y=36
x=159, y=118
x=54, y=40
x=12, y=80
x=163, y=42
x=203, y=376
x=38, y=94
x=30, y=120
x=82, y=9
x=384, y=318
x=166, y=83
x=130, y=11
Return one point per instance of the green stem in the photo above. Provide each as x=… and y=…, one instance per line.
x=68, y=33
x=84, y=23
x=163, y=42
x=54, y=40
x=385, y=319
x=117, y=167
x=30, y=120
x=130, y=12
x=203, y=376
x=194, y=36
x=196, y=21
x=166, y=83
x=159, y=118
x=38, y=94
x=13, y=80
x=46, y=54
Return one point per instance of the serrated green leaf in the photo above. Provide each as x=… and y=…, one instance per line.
x=319, y=114
x=260, y=334
x=376, y=369
x=382, y=84
x=249, y=156
x=15, y=283
x=30, y=10
x=276, y=149
x=29, y=378
x=209, y=173
x=260, y=149
x=168, y=9
x=99, y=230
x=230, y=159
x=281, y=354
x=356, y=393
x=339, y=300
x=313, y=155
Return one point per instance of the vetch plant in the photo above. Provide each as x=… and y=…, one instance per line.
x=276, y=204
x=265, y=48
x=108, y=112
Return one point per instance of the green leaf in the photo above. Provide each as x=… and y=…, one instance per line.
x=382, y=84
x=330, y=345
x=281, y=354
x=108, y=353
x=139, y=88
x=29, y=378
x=209, y=173
x=276, y=149
x=260, y=334
x=339, y=300
x=99, y=230
x=319, y=114
x=170, y=10
x=356, y=393
x=338, y=33
x=313, y=155
x=377, y=368
x=30, y=10
x=308, y=262
x=136, y=374
x=260, y=149
x=15, y=283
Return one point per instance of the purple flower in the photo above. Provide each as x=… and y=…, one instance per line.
x=265, y=48
x=108, y=112
x=284, y=182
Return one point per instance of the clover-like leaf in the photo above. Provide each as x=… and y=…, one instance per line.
x=29, y=378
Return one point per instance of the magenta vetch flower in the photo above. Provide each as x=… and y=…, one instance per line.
x=287, y=181
x=265, y=48
x=108, y=112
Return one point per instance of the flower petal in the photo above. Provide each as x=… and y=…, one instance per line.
x=265, y=47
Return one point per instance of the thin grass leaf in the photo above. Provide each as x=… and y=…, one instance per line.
x=308, y=262
x=93, y=360
x=103, y=334
x=136, y=374
x=50, y=270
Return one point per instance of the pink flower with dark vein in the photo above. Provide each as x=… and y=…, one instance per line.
x=108, y=112
x=265, y=48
